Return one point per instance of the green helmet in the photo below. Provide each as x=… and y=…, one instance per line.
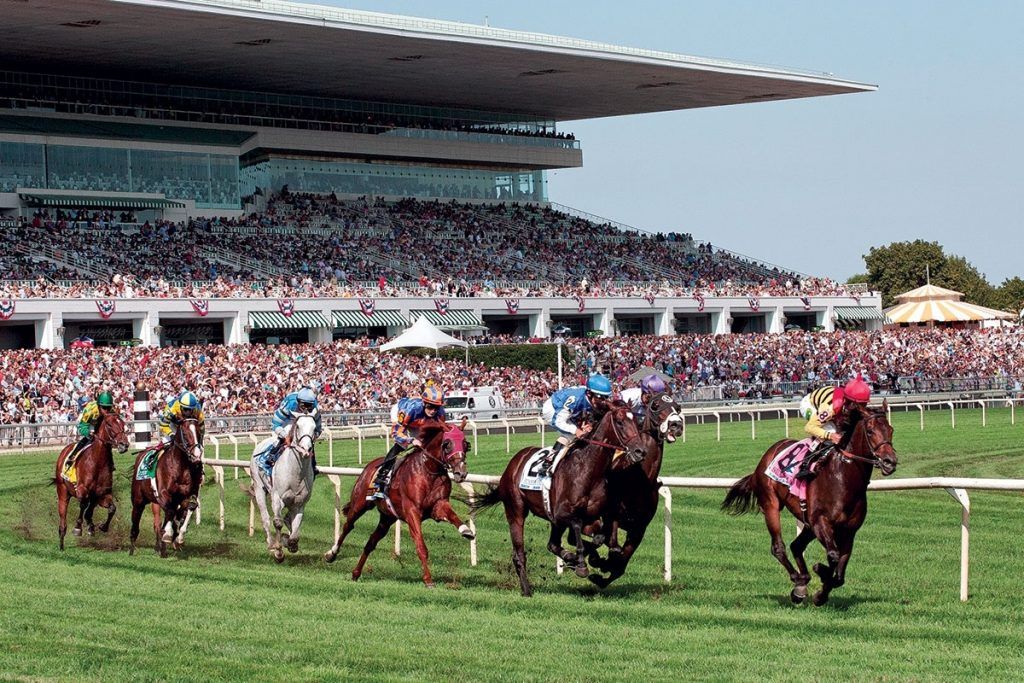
x=105, y=400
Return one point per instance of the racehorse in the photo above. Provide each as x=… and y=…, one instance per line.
x=289, y=487
x=836, y=500
x=420, y=488
x=179, y=472
x=633, y=490
x=95, y=478
x=578, y=493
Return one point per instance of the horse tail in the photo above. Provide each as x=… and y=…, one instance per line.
x=740, y=499
x=477, y=503
x=53, y=481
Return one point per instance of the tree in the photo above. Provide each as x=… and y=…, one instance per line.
x=1011, y=294
x=957, y=273
x=901, y=266
x=858, y=279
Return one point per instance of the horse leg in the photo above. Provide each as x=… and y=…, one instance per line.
x=617, y=561
x=108, y=503
x=826, y=535
x=582, y=570
x=355, y=509
x=90, y=527
x=82, y=504
x=382, y=529
x=516, y=520
x=845, y=549
x=797, y=547
x=416, y=531
x=443, y=510
x=260, y=496
x=161, y=544
x=275, y=549
x=62, y=512
x=773, y=519
x=555, y=544
x=179, y=536
x=294, y=523
x=137, y=510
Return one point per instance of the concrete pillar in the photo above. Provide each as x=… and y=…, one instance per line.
x=604, y=322
x=49, y=338
x=829, y=322
x=776, y=323
x=664, y=323
x=720, y=322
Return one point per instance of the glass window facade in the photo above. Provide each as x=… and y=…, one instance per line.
x=394, y=180
x=211, y=180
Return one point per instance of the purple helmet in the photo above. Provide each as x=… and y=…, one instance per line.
x=652, y=384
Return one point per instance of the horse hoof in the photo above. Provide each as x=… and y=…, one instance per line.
x=582, y=571
x=355, y=576
x=293, y=546
x=91, y=531
x=820, y=598
x=278, y=556
x=599, y=539
x=330, y=557
x=105, y=528
x=798, y=595
x=599, y=581
x=77, y=531
x=178, y=544
x=429, y=584
x=466, y=532
x=823, y=571
x=163, y=551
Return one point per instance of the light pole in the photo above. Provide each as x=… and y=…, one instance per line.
x=559, y=341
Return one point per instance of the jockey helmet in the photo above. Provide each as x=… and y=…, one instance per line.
x=838, y=399
x=315, y=385
x=306, y=397
x=599, y=385
x=857, y=390
x=432, y=395
x=105, y=400
x=189, y=402
x=652, y=384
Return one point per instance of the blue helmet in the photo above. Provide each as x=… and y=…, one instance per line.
x=652, y=384
x=599, y=384
x=306, y=397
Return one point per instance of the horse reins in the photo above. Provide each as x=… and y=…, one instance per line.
x=622, y=443
x=874, y=460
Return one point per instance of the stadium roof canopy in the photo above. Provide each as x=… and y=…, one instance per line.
x=289, y=48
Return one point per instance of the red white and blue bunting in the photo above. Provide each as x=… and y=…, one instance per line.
x=7, y=307
x=754, y=303
x=806, y=300
x=367, y=306
x=106, y=307
x=200, y=306
x=512, y=305
x=700, y=301
x=442, y=306
x=581, y=303
x=649, y=298
x=286, y=306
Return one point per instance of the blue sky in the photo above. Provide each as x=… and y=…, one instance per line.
x=936, y=153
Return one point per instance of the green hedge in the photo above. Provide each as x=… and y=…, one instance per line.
x=530, y=356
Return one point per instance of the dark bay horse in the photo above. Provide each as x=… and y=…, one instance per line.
x=179, y=472
x=836, y=500
x=95, y=477
x=578, y=494
x=420, y=489
x=633, y=490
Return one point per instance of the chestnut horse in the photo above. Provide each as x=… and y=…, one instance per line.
x=179, y=472
x=633, y=491
x=95, y=480
x=420, y=489
x=837, y=500
x=578, y=494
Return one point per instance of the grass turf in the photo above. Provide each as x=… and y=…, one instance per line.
x=222, y=610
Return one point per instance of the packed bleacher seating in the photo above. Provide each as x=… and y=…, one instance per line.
x=234, y=380
x=316, y=245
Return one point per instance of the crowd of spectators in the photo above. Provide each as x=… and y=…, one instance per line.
x=305, y=245
x=356, y=377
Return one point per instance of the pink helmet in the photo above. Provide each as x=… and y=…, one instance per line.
x=838, y=398
x=857, y=390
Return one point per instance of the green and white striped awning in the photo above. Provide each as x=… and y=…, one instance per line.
x=100, y=201
x=454, y=319
x=275, y=320
x=858, y=313
x=378, y=319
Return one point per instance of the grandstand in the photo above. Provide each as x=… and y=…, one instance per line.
x=288, y=157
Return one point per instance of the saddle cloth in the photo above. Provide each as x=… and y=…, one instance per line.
x=147, y=464
x=786, y=464
x=531, y=479
x=70, y=469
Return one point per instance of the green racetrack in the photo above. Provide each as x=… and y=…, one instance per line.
x=222, y=610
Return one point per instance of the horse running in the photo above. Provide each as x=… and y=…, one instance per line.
x=289, y=487
x=836, y=500
x=179, y=472
x=420, y=489
x=95, y=478
x=578, y=493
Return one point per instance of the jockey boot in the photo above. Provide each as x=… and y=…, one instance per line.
x=805, y=473
x=548, y=460
x=69, y=462
x=380, y=484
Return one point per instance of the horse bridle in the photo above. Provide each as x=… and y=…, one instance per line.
x=291, y=432
x=102, y=440
x=445, y=463
x=649, y=424
x=180, y=440
x=874, y=460
x=623, y=444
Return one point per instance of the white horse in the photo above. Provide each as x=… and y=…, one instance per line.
x=291, y=485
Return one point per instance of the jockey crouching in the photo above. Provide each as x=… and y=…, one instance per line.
x=566, y=411
x=404, y=417
x=821, y=408
x=89, y=423
x=186, y=406
x=638, y=397
x=301, y=402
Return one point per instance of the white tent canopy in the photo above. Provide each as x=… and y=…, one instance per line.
x=422, y=335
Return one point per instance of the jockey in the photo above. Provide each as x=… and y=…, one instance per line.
x=821, y=408
x=405, y=416
x=301, y=402
x=89, y=422
x=566, y=411
x=183, y=407
x=638, y=397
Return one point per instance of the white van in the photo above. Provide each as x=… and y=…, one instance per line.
x=481, y=403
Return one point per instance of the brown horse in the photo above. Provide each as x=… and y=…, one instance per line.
x=95, y=480
x=578, y=493
x=179, y=472
x=836, y=500
x=420, y=489
x=633, y=490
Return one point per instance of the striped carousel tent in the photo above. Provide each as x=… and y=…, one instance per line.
x=937, y=305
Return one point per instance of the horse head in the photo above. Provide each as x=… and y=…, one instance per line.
x=875, y=432
x=302, y=435
x=663, y=412
x=112, y=431
x=453, y=451
x=187, y=439
x=619, y=430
